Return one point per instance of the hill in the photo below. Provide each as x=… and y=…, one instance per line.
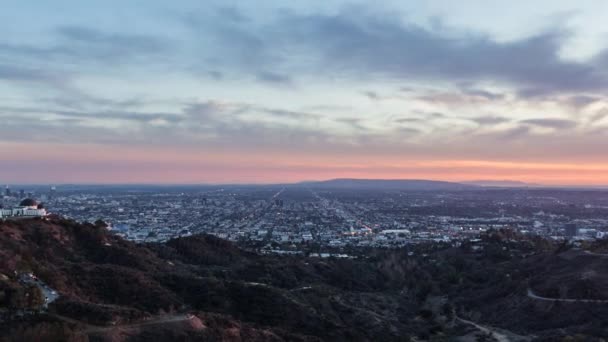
x=202, y=288
x=502, y=184
x=388, y=184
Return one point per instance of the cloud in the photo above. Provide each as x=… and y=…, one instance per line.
x=372, y=95
x=511, y=134
x=353, y=43
x=12, y=73
x=21, y=74
x=273, y=78
x=232, y=14
x=551, y=123
x=454, y=98
x=367, y=43
x=121, y=41
x=580, y=101
x=488, y=95
x=354, y=123
x=74, y=99
x=204, y=110
x=55, y=115
x=599, y=115
x=75, y=44
x=363, y=42
x=281, y=113
x=407, y=131
x=457, y=89
x=248, y=128
x=435, y=115
x=216, y=75
x=490, y=120
x=408, y=120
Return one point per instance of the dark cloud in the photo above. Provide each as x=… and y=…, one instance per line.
x=89, y=36
x=204, y=110
x=599, y=115
x=77, y=100
x=407, y=89
x=216, y=75
x=272, y=77
x=484, y=94
x=580, y=101
x=361, y=43
x=365, y=43
x=490, y=120
x=224, y=42
x=408, y=120
x=12, y=73
x=551, y=123
x=512, y=134
x=372, y=95
x=407, y=131
x=232, y=14
x=81, y=116
x=211, y=124
x=17, y=73
x=435, y=115
x=355, y=123
x=75, y=44
x=125, y=115
x=217, y=126
x=288, y=113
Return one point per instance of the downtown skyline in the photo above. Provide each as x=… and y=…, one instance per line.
x=232, y=92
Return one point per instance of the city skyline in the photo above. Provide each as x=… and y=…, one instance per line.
x=213, y=93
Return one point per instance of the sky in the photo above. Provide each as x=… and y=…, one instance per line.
x=277, y=91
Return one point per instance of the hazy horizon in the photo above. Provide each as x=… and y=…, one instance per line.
x=269, y=92
x=481, y=183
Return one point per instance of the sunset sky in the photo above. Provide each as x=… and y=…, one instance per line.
x=275, y=91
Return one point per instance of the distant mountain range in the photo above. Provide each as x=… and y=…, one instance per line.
x=389, y=184
x=338, y=183
x=501, y=183
x=415, y=184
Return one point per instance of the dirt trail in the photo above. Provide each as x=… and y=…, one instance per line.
x=500, y=337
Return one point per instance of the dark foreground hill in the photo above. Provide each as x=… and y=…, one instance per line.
x=202, y=288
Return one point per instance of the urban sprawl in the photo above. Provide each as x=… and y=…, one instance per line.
x=284, y=218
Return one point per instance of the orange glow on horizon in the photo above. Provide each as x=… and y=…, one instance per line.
x=36, y=163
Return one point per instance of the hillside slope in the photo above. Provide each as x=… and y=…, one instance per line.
x=202, y=288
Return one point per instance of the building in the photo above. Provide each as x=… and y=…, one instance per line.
x=571, y=230
x=27, y=208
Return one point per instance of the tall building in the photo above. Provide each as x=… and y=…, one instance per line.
x=7, y=191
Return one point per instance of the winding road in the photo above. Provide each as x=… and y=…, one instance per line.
x=92, y=329
x=603, y=255
x=156, y=321
x=49, y=294
x=532, y=295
